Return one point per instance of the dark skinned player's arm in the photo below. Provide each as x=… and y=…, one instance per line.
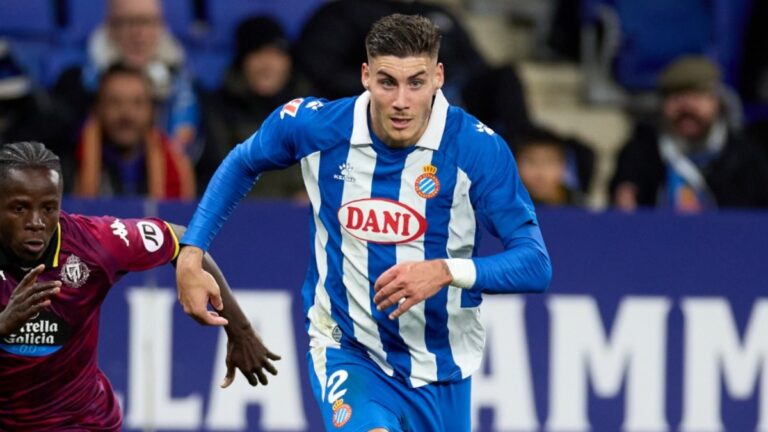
x=245, y=350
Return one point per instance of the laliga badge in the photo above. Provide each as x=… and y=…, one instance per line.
x=427, y=185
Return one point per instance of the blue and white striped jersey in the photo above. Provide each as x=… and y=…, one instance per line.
x=375, y=206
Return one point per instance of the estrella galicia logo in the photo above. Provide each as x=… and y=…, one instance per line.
x=41, y=335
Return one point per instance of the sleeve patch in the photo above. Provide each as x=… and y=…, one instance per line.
x=291, y=108
x=151, y=235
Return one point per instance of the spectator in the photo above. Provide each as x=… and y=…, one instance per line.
x=332, y=60
x=695, y=160
x=134, y=33
x=25, y=112
x=261, y=78
x=545, y=164
x=121, y=152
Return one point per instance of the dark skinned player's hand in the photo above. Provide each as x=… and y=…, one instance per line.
x=246, y=351
x=26, y=300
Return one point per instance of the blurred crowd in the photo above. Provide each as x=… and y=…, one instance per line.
x=130, y=117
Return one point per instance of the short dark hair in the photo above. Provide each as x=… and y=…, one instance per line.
x=123, y=69
x=535, y=136
x=403, y=36
x=27, y=155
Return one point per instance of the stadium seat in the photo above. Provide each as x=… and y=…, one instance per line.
x=208, y=66
x=61, y=59
x=83, y=16
x=629, y=54
x=180, y=18
x=679, y=27
x=224, y=16
x=27, y=18
x=31, y=55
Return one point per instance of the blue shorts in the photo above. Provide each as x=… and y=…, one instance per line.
x=359, y=396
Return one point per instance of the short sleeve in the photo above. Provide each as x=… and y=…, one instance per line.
x=135, y=244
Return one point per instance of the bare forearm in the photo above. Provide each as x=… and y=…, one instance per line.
x=238, y=322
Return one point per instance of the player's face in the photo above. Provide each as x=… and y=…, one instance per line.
x=401, y=96
x=29, y=212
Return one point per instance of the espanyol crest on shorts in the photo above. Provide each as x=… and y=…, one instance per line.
x=341, y=413
x=427, y=185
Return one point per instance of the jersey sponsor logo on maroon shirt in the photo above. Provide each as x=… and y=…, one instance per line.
x=151, y=235
x=383, y=221
x=118, y=229
x=41, y=335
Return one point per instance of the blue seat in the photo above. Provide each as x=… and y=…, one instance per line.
x=655, y=32
x=27, y=18
x=224, y=16
x=83, y=17
x=61, y=59
x=180, y=18
x=639, y=38
x=86, y=15
x=31, y=55
x=208, y=66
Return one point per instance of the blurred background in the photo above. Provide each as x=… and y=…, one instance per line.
x=574, y=85
x=640, y=129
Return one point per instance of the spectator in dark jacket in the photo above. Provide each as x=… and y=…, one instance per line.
x=25, y=110
x=261, y=78
x=694, y=160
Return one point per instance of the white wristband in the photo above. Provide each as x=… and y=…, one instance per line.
x=463, y=272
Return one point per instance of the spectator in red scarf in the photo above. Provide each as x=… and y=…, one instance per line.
x=121, y=152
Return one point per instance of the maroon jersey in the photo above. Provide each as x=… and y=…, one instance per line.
x=49, y=379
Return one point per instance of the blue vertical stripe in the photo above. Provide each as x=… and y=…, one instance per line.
x=436, y=240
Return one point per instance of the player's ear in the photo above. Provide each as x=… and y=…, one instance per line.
x=365, y=75
x=439, y=75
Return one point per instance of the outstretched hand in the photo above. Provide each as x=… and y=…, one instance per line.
x=197, y=288
x=27, y=299
x=408, y=283
x=246, y=351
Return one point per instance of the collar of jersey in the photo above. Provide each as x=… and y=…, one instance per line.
x=361, y=135
x=50, y=256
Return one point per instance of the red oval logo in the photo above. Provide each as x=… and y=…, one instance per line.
x=383, y=221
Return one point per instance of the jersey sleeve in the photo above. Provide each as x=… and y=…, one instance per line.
x=504, y=208
x=134, y=244
x=273, y=146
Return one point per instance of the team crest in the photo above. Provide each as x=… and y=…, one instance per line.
x=427, y=185
x=341, y=413
x=74, y=272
